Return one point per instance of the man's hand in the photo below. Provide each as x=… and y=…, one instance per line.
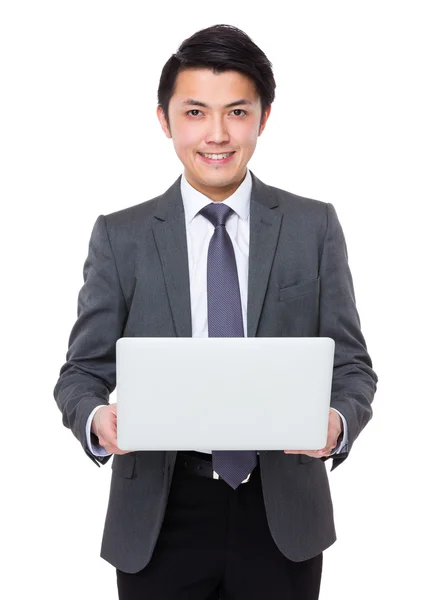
x=104, y=426
x=334, y=430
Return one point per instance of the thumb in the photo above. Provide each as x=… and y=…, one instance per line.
x=115, y=411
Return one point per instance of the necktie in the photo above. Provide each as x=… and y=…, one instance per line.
x=225, y=319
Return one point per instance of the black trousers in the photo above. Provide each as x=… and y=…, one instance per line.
x=215, y=544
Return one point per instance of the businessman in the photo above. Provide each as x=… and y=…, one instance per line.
x=219, y=254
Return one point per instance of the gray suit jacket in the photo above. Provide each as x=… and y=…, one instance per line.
x=136, y=283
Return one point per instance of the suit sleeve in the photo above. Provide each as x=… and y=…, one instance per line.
x=88, y=376
x=354, y=380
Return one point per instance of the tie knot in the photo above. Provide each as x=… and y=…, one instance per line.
x=217, y=213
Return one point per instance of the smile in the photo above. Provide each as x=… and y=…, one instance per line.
x=216, y=158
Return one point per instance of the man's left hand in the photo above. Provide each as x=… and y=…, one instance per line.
x=335, y=428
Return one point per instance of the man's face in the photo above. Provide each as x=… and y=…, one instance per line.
x=214, y=114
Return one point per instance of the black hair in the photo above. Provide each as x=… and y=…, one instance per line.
x=219, y=48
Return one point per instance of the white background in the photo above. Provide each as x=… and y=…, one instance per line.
x=352, y=124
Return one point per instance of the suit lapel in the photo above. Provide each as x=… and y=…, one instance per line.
x=264, y=233
x=171, y=241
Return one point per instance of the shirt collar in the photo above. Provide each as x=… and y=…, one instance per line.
x=194, y=200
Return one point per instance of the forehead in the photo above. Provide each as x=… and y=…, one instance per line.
x=213, y=89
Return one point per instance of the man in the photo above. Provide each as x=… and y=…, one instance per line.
x=218, y=254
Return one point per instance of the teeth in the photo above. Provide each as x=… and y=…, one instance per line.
x=216, y=156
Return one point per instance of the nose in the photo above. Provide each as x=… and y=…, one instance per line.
x=217, y=133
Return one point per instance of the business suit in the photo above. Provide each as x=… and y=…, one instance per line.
x=136, y=284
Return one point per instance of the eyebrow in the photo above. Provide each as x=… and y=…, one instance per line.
x=192, y=102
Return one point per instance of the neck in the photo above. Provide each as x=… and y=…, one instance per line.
x=216, y=194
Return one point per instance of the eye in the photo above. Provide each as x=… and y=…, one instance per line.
x=239, y=110
x=193, y=110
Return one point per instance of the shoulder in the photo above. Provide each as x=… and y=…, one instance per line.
x=290, y=201
x=132, y=214
x=141, y=215
x=294, y=206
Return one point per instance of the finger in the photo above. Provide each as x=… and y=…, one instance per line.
x=327, y=449
x=117, y=450
x=308, y=452
x=331, y=441
x=112, y=447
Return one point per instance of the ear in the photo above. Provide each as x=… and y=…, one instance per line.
x=264, y=120
x=163, y=122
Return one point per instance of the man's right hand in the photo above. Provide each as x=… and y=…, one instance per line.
x=104, y=426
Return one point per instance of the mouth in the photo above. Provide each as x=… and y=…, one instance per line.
x=216, y=159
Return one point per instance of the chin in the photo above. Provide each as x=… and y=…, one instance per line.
x=220, y=181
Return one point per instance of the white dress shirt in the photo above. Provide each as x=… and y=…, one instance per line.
x=199, y=232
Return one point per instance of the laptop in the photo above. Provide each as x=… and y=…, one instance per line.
x=223, y=393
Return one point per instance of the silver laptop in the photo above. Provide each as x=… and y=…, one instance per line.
x=223, y=393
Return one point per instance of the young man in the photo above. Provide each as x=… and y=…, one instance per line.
x=218, y=254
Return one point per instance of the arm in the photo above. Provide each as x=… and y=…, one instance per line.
x=354, y=380
x=88, y=376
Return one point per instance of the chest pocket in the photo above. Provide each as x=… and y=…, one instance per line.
x=297, y=290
